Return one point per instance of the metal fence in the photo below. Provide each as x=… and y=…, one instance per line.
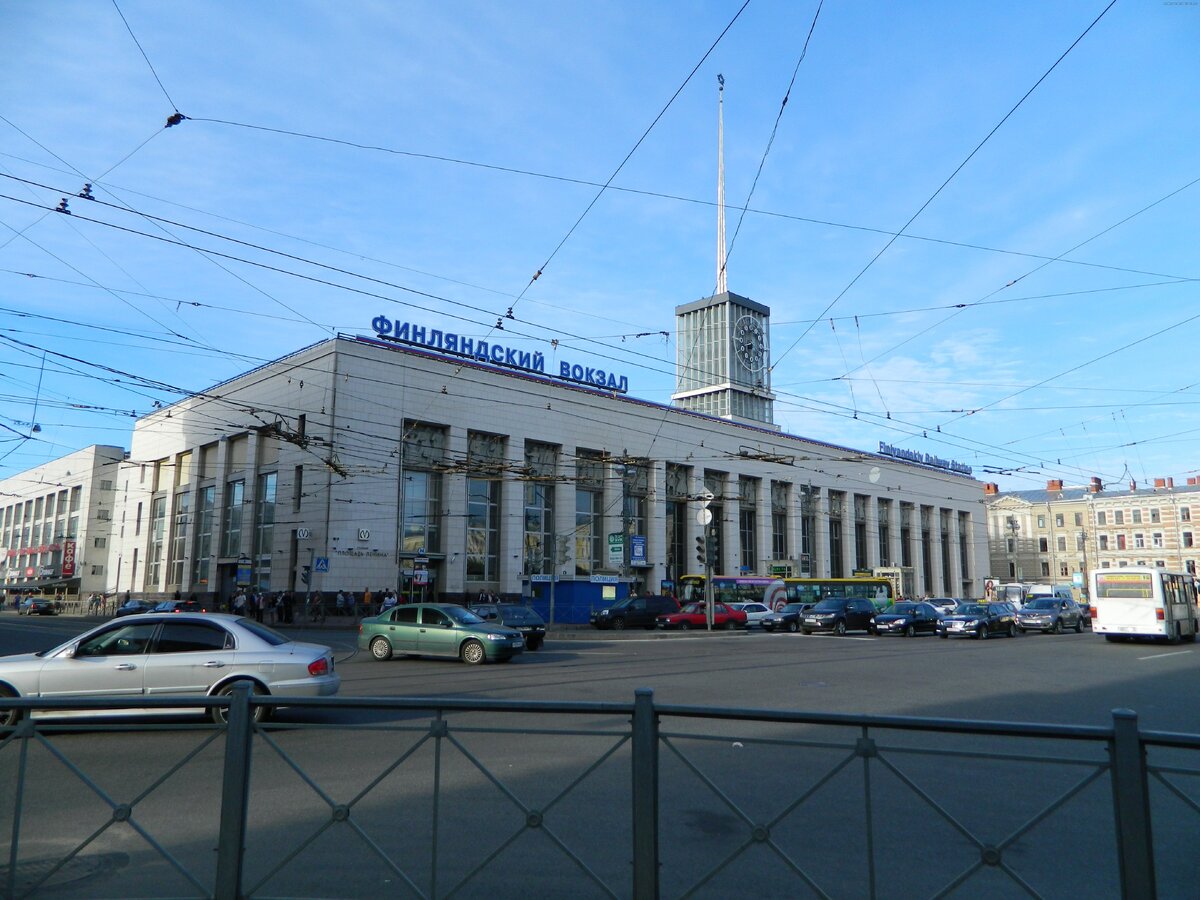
x=455, y=797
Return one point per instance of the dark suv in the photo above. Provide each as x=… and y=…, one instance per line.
x=634, y=612
x=522, y=618
x=839, y=615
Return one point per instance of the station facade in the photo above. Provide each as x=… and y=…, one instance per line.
x=367, y=463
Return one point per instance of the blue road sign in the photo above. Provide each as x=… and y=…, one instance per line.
x=321, y=564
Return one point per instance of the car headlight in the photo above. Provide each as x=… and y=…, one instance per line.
x=491, y=636
x=970, y=623
x=604, y=613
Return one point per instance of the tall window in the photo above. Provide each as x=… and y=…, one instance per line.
x=885, y=532
x=179, y=534
x=677, y=520
x=748, y=523
x=485, y=460
x=635, y=486
x=589, y=508
x=906, y=523
x=541, y=467
x=944, y=538
x=837, y=505
x=860, y=532
x=808, y=528
x=781, y=497
x=714, y=483
x=423, y=449
x=264, y=525
x=927, y=546
x=231, y=532
x=158, y=527
x=206, y=500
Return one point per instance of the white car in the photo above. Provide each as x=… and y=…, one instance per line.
x=755, y=612
x=158, y=655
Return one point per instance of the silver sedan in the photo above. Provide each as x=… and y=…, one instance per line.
x=161, y=656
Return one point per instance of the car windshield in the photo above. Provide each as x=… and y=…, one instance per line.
x=693, y=608
x=831, y=605
x=165, y=606
x=1042, y=603
x=972, y=609
x=462, y=615
x=270, y=635
x=904, y=609
x=794, y=607
x=520, y=615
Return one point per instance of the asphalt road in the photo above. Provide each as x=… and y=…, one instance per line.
x=931, y=797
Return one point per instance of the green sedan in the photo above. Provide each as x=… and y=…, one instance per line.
x=437, y=629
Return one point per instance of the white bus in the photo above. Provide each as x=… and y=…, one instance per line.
x=1144, y=601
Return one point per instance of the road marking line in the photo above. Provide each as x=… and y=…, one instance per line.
x=1165, y=655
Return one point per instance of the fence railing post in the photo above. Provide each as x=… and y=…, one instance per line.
x=235, y=795
x=645, y=796
x=1131, y=802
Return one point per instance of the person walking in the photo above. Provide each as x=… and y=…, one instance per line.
x=340, y=608
x=367, y=600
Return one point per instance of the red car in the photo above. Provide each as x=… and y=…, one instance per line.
x=692, y=616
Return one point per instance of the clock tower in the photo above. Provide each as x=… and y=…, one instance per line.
x=723, y=343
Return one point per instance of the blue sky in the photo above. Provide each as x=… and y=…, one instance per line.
x=1039, y=310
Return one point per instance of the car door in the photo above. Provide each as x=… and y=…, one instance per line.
x=109, y=663
x=402, y=627
x=188, y=658
x=858, y=615
x=437, y=634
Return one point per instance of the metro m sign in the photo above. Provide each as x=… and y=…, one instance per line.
x=68, y=559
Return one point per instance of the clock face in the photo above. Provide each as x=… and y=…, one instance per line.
x=750, y=343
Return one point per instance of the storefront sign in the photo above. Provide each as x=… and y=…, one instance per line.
x=637, y=550
x=496, y=354
x=68, y=559
x=925, y=459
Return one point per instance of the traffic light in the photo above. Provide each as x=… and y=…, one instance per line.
x=305, y=574
x=711, y=551
x=701, y=554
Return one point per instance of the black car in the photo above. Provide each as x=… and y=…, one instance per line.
x=979, y=620
x=786, y=618
x=635, y=612
x=908, y=619
x=1051, y=614
x=38, y=606
x=839, y=615
x=521, y=618
x=134, y=607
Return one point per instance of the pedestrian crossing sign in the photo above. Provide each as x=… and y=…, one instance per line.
x=321, y=564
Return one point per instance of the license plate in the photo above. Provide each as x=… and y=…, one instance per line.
x=518, y=643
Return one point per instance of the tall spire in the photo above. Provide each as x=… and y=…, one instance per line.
x=722, y=287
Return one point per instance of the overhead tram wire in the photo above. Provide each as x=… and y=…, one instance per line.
x=635, y=358
x=908, y=236
x=774, y=130
x=1010, y=284
x=944, y=184
x=144, y=56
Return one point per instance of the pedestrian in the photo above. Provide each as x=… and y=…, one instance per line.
x=288, y=603
x=367, y=598
x=259, y=601
x=239, y=603
x=340, y=607
x=351, y=605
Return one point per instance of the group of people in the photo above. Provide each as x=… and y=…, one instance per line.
x=347, y=603
x=262, y=607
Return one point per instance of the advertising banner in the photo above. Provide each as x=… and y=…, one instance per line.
x=68, y=559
